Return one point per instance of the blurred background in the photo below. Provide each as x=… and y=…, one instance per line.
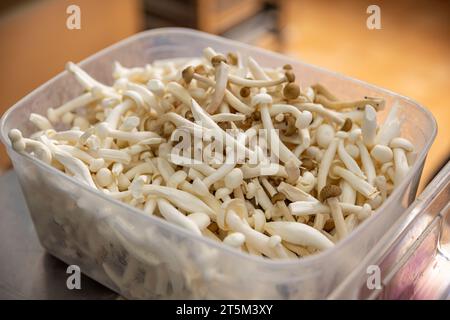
x=409, y=55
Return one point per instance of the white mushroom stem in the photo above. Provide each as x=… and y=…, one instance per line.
x=367, y=163
x=202, y=168
x=147, y=96
x=390, y=128
x=75, y=166
x=325, y=164
x=77, y=153
x=138, y=74
x=72, y=136
x=369, y=126
x=20, y=144
x=257, y=240
x=104, y=177
x=112, y=155
x=272, y=169
x=228, y=117
x=295, y=194
x=230, y=163
x=234, y=240
x=54, y=115
x=402, y=143
x=181, y=122
x=351, y=222
x=261, y=197
x=348, y=193
x=151, y=203
x=181, y=199
x=40, y=121
x=348, y=161
x=256, y=70
x=307, y=182
x=105, y=131
x=305, y=208
x=298, y=233
x=176, y=179
x=130, y=123
x=401, y=165
x=352, y=150
x=171, y=214
x=255, y=83
x=293, y=172
x=234, y=179
x=266, y=184
x=338, y=217
x=363, y=187
x=143, y=168
x=230, y=98
x=276, y=145
x=299, y=250
x=390, y=131
x=259, y=220
x=156, y=87
x=114, y=115
x=86, y=80
x=306, y=142
x=201, y=116
x=326, y=113
x=303, y=118
x=381, y=184
x=221, y=83
x=209, y=53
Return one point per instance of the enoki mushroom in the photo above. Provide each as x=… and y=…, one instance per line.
x=279, y=171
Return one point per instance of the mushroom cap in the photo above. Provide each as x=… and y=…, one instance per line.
x=330, y=191
x=347, y=126
x=291, y=91
x=261, y=98
x=217, y=59
x=188, y=74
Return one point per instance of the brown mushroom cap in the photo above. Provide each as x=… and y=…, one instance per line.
x=200, y=69
x=308, y=164
x=329, y=191
x=217, y=59
x=278, y=197
x=290, y=75
x=188, y=74
x=244, y=92
x=347, y=126
x=232, y=58
x=291, y=91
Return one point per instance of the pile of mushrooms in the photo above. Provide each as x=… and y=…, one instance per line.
x=333, y=165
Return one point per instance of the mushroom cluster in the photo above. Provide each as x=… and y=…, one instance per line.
x=330, y=164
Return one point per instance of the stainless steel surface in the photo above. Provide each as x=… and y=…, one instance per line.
x=26, y=270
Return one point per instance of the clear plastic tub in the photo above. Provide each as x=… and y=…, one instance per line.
x=146, y=257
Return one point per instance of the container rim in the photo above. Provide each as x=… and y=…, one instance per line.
x=305, y=261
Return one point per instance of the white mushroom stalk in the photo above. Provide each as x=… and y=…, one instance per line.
x=228, y=149
x=221, y=84
x=264, y=101
x=299, y=233
x=171, y=214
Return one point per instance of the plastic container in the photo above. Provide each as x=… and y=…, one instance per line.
x=146, y=257
x=413, y=256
